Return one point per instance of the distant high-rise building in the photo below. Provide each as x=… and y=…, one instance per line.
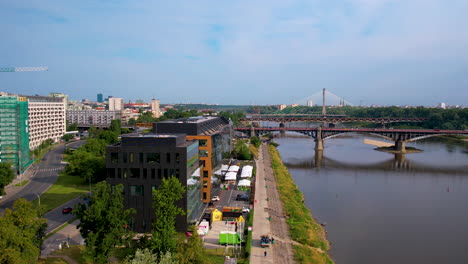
x=443, y=105
x=310, y=103
x=155, y=108
x=115, y=104
x=294, y=105
x=100, y=98
x=281, y=106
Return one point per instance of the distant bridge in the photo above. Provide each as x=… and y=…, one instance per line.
x=328, y=119
x=399, y=136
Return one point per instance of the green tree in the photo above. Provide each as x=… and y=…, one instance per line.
x=191, y=250
x=93, y=132
x=72, y=127
x=67, y=137
x=116, y=126
x=255, y=141
x=6, y=176
x=142, y=256
x=103, y=221
x=241, y=150
x=110, y=137
x=165, y=199
x=132, y=121
x=21, y=233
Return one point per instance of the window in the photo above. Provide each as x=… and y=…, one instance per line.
x=171, y=172
x=125, y=173
x=166, y=173
x=119, y=173
x=134, y=173
x=177, y=157
x=204, y=196
x=145, y=174
x=131, y=157
x=205, y=174
x=152, y=158
x=203, y=153
x=114, y=157
x=141, y=158
x=159, y=174
x=177, y=173
x=110, y=173
x=136, y=190
x=205, y=184
x=153, y=174
x=202, y=142
x=168, y=157
x=124, y=157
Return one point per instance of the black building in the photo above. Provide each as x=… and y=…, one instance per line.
x=141, y=161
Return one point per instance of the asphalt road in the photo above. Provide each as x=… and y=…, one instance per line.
x=46, y=173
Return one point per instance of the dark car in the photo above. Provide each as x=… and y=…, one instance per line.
x=242, y=198
x=67, y=210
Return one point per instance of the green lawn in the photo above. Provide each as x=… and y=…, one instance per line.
x=64, y=189
x=23, y=183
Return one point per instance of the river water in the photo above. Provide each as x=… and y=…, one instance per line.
x=385, y=208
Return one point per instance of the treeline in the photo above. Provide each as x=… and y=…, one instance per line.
x=147, y=117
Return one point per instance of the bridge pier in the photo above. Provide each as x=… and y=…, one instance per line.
x=282, y=125
x=400, y=146
x=319, y=140
x=318, y=158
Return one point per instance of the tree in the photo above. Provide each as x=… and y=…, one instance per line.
x=103, y=221
x=72, y=127
x=110, y=137
x=67, y=137
x=255, y=141
x=191, y=250
x=164, y=203
x=116, y=126
x=93, y=132
x=6, y=176
x=241, y=150
x=21, y=233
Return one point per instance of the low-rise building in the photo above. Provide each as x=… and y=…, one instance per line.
x=92, y=117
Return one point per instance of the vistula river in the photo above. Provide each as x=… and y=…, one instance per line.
x=380, y=208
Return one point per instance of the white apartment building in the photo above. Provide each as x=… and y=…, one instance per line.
x=46, y=119
x=116, y=104
x=92, y=117
x=310, y=103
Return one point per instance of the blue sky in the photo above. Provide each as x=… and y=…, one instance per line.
x=388, y=52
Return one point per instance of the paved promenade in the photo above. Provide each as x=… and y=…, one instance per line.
x=268, y=216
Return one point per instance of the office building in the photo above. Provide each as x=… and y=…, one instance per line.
x=116, y=104
x=14, y=132
x=155, y=108
x=214, y=135
x=310, y=103
x=99, y=98
x=140, y=162
x=281, y=107
x=46, y=119
x=92, y=117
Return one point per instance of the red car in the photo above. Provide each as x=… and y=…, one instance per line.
x=67, y=210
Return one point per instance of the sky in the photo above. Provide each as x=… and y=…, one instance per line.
x=385, y=52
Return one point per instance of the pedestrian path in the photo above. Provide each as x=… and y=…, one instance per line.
x=268, y=216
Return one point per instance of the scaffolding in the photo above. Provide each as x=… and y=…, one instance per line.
x=14, y=132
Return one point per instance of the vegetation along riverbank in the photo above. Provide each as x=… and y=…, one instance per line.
x=312, y=245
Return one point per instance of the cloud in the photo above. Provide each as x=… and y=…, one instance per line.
x=285, y=47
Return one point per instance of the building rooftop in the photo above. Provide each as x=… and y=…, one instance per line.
x=193, y=119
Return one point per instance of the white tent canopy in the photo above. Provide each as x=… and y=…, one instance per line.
x=196, y=173
x=191, y=182
x=246, y=171
x=223, y=169
x=234, y=168
x=230, y=176
x=244, y=183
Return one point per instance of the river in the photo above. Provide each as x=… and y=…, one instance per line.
x=382, y=208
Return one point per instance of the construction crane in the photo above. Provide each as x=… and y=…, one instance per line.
x=24, y=69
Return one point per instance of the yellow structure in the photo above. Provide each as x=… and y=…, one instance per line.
x=216, y=215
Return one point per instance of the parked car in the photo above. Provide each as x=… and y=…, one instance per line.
x=67, y=210
x=242, y=198
x=245, y=210
x=215, y=198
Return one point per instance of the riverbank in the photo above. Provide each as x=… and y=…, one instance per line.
x=309, y=238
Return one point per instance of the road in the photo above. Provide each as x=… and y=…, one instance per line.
x=46, y=173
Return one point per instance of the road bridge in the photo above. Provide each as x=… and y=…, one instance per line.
x=399, y=136
x=329, y=120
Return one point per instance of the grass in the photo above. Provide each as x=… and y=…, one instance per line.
x=253, y=150
x=52, y=260
x=303, y=228
x=74, y=252
x=60, y=228
x=216, y=255
x=23, y=183
x=64, y=189
x=248, y=243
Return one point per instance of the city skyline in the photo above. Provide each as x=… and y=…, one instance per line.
x=384, y=52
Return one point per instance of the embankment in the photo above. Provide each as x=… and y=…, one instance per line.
x=312, y=245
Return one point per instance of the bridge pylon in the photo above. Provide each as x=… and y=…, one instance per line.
x=319, y=140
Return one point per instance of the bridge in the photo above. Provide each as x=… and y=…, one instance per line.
x=399, y=136
x=330, y=120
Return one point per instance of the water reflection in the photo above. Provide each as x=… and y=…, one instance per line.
x=398, y=163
